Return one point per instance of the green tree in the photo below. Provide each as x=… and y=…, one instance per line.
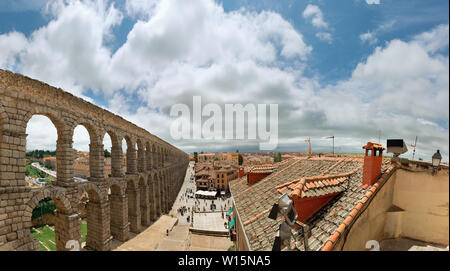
x=277, y=157
x=196, y=157
x=107, y=153
x=240, y=159
x=45, y=206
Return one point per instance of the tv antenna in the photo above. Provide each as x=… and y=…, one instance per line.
x=414, y=146
x=333, y=142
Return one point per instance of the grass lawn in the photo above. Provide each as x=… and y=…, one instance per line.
x=47, y=235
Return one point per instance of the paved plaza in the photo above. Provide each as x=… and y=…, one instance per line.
x=210, y=222
x=179, y=237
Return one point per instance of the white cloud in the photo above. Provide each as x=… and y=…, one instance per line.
x=373, y=2
x=371, y=37
x=314, y=12
x=196, y=48
x=11, y=45
x=434, y=40
x=368, y=37
x=141, y=8
x=324, y=36
x=70, y=51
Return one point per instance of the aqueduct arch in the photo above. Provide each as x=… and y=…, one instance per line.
x=117, y=204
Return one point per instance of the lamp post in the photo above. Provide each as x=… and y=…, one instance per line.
x=436, y=161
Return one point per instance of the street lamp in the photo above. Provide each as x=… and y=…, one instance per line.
x=285, y=207
x=436, y=160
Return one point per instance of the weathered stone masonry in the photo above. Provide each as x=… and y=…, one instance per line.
x=117, y=204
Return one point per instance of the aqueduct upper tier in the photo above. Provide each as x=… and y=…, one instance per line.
x=129, y=199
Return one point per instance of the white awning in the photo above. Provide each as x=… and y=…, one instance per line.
x=206, y=193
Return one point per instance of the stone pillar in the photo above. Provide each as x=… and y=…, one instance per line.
x=98, y=226
x=145, y=205
x=116, y=160
x=64, y=162
x=12, y=159
x=158, y=197
x=153, y=158
x=156, y=159
x=120, y=226
x=67, y=228
x=96, y=161
x=152, y=196
x=141, y=159
x=134, y=212
x=148, y=158
x=131, y=160
x=166, y=189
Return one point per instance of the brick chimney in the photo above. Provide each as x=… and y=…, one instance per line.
x=258, y=172
x=241, y=172
x=372, y=163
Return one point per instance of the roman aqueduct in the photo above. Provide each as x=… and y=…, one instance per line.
x=118, y=204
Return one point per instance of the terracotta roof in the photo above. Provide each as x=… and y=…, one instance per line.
x=306, y=177
x=262, y=169
x=203, y=173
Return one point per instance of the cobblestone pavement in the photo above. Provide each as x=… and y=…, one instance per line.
x=180, y=238
x=210, y=221
x=148, y=240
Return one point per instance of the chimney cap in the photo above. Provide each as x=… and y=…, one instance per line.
x=373, y=146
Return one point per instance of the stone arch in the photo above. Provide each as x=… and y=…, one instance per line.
x=93, y=191
x=158, y=194
x=148, y=156
x=116, y=152
x=55, y=117
x=61, y=202
x=144, y=201
x=134, y=212
x=140, y=155
x=62, y=207
x=118, y=204
x=96, y=154
x=117, y=188
x=98, y=216
x=131, y=167
x=64, y=162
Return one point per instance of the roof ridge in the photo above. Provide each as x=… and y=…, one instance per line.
x=255, y=217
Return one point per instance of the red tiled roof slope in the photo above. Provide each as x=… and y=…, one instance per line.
x=255, y=201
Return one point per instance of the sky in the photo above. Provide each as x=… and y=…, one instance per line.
x=349, y=68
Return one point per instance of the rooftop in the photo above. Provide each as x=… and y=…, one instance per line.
x=304, y=177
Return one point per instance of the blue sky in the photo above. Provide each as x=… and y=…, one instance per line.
x=328, y=54
x=332, y=62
